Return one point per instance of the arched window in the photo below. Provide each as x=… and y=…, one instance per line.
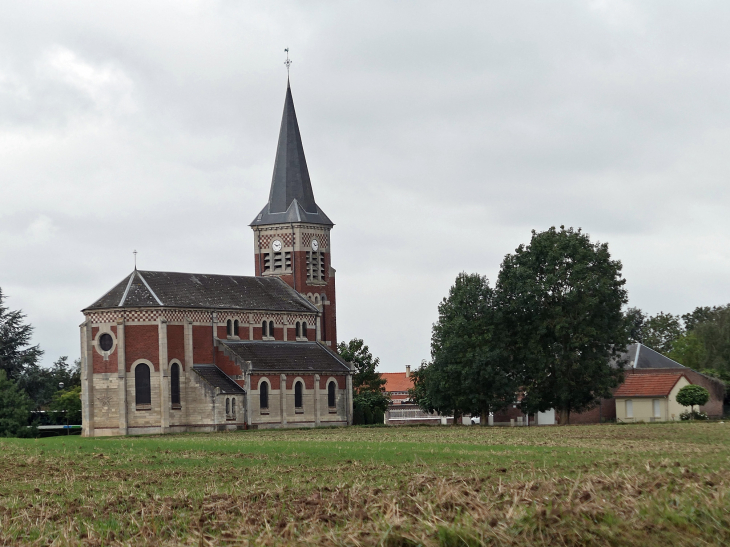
x=271, y=329
x=229, y=328
x=298, y=388
x=142, y=390
x=235, y=328
x=233, y=406
x=175, y=385
x=304, y=329
x=264, y=396
x=228, y=405
x=331, y=395
x=316, y=299
x=264, y=329
x=299, y=330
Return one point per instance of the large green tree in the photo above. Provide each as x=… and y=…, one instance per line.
x=367, y=383
x=16, y=353
x=42, y=383
x=67, y=403
x=561, y=297
x=635, y=321
x=468, y=373
x=15, y=406
x=661, y=331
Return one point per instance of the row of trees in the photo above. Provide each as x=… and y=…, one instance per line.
x=25, y=386
x=546, y=332
x=699, y=340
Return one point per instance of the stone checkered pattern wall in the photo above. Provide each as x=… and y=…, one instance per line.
x=322, y=238
x=287, y=240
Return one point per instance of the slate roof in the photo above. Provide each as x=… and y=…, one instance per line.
x=217, y=378
x=186, y=290
x=396, y=381
x=648, y=385
x=641, y=356
x=291, y=198
x=287, y=356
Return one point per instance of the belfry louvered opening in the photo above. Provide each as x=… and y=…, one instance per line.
x=315, y=266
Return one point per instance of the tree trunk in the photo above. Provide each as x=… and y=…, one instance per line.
x=457, y=418
x=563, y=417
x=484, y=417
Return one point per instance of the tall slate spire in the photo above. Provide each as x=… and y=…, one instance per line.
x=291, y=198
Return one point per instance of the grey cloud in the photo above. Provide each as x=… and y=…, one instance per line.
x=437, y=135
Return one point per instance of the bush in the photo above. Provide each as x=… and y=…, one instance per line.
x=378, y=417
x=692, y=395
x=368, y=415
x=358, y=416
x=694, y=415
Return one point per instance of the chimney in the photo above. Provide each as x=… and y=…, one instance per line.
x=408, y=371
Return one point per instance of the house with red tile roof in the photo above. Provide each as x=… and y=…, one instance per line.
x=397, y=385
x=650, y=397
x=401, y=410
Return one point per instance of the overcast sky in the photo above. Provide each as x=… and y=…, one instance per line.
x=438, y=134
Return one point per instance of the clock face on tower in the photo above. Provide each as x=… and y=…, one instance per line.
x=315, y=245
x=276, y=245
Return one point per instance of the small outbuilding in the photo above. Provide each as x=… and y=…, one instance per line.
x=650, y=398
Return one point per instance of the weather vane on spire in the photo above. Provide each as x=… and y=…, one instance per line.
x=135, y=258
x=288, y=62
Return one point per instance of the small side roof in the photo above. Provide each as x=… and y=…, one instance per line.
x=217, y=378
x=188, y=290
x=286, y=356
x=648, y=385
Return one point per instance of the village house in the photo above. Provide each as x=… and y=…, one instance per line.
x=650, y=398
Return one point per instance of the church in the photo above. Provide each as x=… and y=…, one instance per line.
x=165, y=352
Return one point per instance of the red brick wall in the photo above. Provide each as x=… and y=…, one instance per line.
x=341, y=381
x=176, y=343
x=202, y=345
x=142, y=342
x=308, y=380
x=274, y=380
x=222, y=332
x=511, y=413
x=99, y=365
x=257, y=333
x=227, y=365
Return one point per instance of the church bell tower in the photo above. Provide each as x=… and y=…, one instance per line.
x=292, y=234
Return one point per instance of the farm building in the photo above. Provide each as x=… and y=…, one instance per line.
x=169, y=352
x=640, y=361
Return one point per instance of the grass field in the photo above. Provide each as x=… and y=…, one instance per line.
x=659, y=484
